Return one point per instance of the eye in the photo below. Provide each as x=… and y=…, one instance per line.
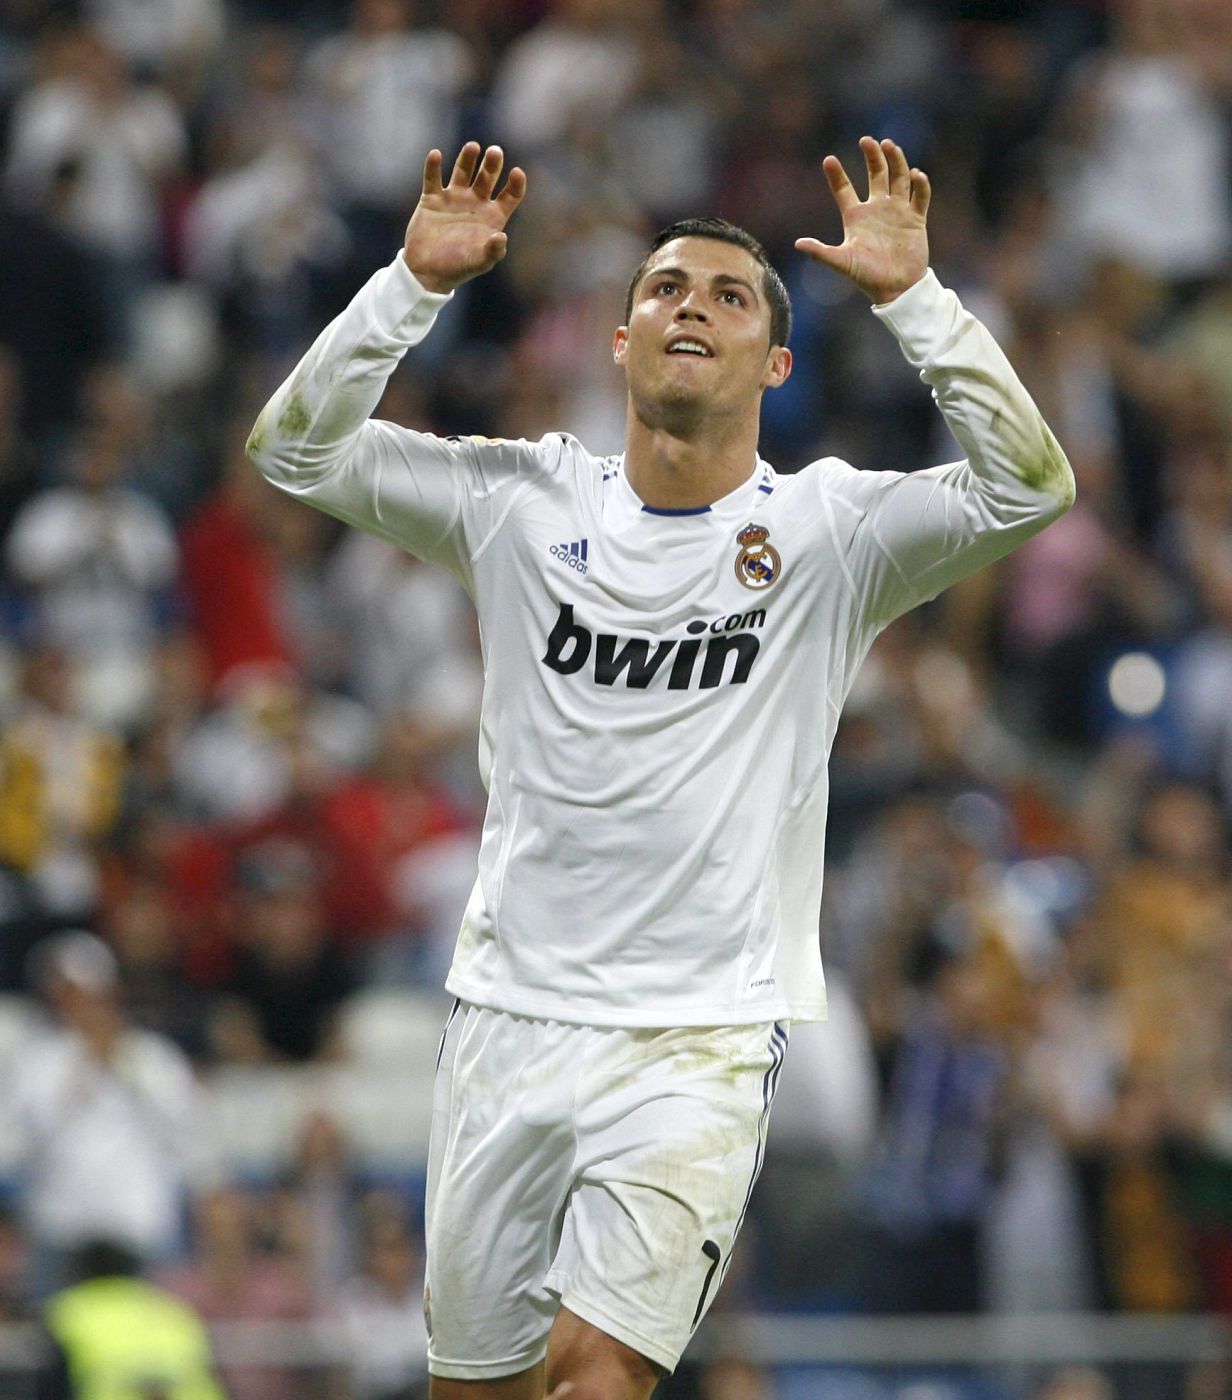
x=733, y=298
x=665, y=286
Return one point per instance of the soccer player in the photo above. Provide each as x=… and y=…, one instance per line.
x=668, y=637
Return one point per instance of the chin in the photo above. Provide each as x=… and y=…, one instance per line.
x=675, y=410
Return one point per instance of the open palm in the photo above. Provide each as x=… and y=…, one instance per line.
x=458, y=229
x=885, y=239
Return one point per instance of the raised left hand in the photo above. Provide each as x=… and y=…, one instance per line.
x=885, y=239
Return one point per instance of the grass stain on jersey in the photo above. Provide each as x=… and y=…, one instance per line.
x=1050, y=473
x=295, y=419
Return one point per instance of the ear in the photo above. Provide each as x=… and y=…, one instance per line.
x=620, y=344
x=778, y=367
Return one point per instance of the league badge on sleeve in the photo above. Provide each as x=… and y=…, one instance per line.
x=758, y=564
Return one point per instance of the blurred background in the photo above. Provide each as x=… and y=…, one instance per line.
x=238, y=800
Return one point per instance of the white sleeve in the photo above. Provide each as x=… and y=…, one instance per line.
x=436, y=497
x=912, y=535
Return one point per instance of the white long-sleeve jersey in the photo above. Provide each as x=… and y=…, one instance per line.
x=662, y=688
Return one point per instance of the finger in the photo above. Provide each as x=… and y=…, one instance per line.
x=829, y=254
x=489, y=172
x=494, y=249
x=921, y=191
x=878, y=170
x=432, y=173
x=515, y=188
x=464, y=166
x=841, y=188
x=900, y=172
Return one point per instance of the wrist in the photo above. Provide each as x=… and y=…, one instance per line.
x=426, y=280
x=883, y=296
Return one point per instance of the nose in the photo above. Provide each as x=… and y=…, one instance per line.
x=692, y=307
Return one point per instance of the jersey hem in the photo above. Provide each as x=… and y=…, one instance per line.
x=654, y=1018
x=486, y=1370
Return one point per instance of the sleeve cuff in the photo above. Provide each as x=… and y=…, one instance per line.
x=405, y=309
x=916, y=315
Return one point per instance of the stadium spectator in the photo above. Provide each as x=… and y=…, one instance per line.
x=377, y=825
x=1072, y=1071
x=92, y=150
x=59, y=790
x=289, y=976
x=141, y=926
x=230, y=574
x=381, y=1308
x=259, y=231
x=98, y=559
x=173, y=41
x=410, y=636
x=579, y=62
x=385, y=89
x=934, y=1171
x=115, y=1334
x=109, y=1118
x=234, y=1275
x=268, y=741
x=1144, y=120
x=317, y=1206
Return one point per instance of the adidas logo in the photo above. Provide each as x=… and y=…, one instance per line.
x=573, y=554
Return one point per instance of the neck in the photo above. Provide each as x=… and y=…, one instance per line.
x=683, y=469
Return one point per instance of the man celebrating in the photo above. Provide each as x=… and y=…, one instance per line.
x=668, y=638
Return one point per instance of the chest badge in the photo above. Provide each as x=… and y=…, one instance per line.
x=758, y=564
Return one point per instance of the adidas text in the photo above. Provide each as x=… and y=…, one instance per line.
x=572, y=554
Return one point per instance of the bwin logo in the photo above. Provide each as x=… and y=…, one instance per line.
x=572, y=554
x=570, y=646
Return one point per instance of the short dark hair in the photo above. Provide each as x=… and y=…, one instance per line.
x=772, y=284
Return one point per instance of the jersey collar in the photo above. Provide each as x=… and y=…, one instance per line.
x=756, y=487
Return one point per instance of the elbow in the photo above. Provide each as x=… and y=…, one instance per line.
x=1050, y=474
x=256, y=449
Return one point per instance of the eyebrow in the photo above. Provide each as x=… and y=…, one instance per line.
x=720, y=279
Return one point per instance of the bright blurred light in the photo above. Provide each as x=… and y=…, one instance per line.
x=1137, y=684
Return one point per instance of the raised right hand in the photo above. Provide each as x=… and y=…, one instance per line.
x=457, y=230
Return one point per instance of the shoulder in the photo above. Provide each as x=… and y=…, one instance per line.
x=829, y=483
x=845, y=488
x=549, y=455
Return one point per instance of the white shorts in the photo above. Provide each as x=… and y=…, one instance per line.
x=604, y=1169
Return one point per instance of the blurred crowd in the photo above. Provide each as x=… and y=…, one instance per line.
x=237, y=776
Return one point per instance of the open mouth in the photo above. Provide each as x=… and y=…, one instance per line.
x=690, y=347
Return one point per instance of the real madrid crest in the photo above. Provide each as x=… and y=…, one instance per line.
x=758, y=564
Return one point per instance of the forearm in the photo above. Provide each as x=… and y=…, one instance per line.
x=314, y=416
x=1014, y=459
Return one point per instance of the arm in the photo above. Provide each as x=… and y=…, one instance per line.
x=315, y=437
x=916, y=534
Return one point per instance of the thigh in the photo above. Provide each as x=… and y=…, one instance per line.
x=670, y=1142
x=581, y=1355
x=499, y=1172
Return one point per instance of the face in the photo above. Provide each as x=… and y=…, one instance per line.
x=697, y=345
